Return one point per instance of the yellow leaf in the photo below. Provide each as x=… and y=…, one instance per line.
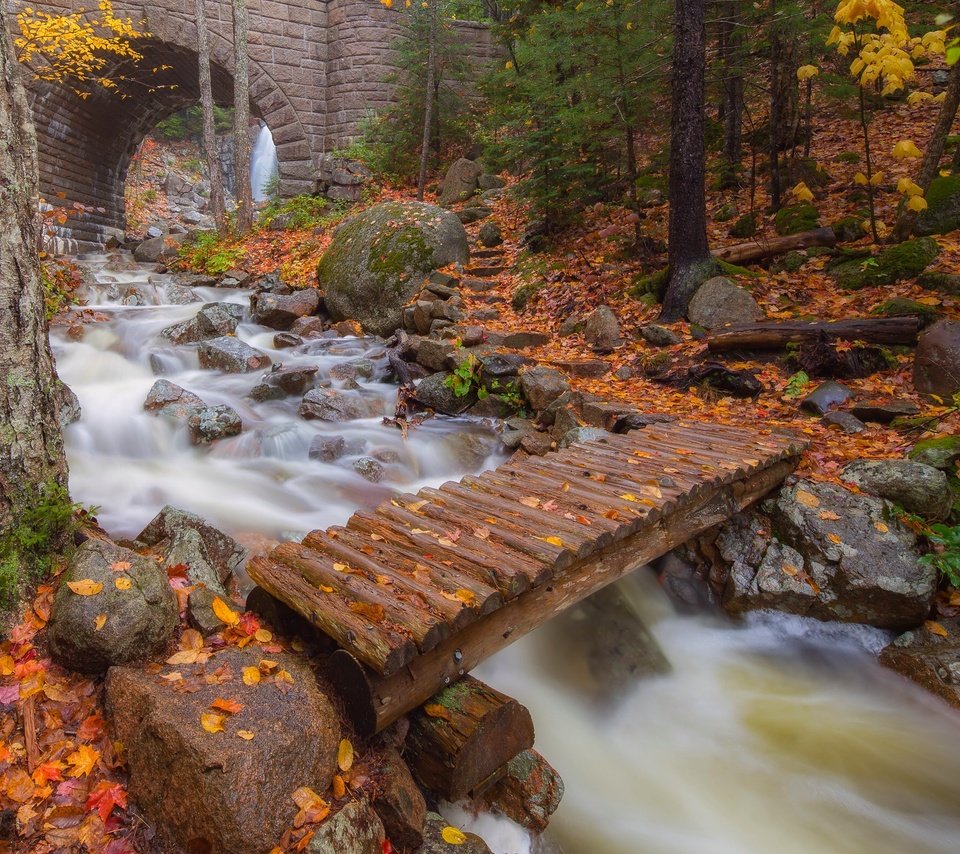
x=453, y=836
x=791, y=570
x=554, y=541
x=251, y=675
x=629, y=496
x=876, y=179
x=807, y=499
x=245, y=734
x=530, y=501
x=339, y=787
x=834, y=538
x=805, y=72
x=99, y=622
x=906, y=149
x=85, y=587
x=935, y=628
x=224, y=612
x=881, y=527
x=123, y=583
x=212, y=722
x=345, y=755
x=82, y=761
x=341, y=567
x=860, y=178
x=184, y=656
x=917, y=203
x=263, y=635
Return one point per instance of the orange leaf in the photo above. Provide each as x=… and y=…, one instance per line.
x=99, y=622
x=231, y=707
x=224, y=612
x=374, y=613
x=339, y=787
x=435, y=710
x=935, y=628
x=212, y=722
x=120, y=565
x=807, y=499
x=85, y=587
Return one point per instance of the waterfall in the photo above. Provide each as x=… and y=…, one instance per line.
x=263, y=164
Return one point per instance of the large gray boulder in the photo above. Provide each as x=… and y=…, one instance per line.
x=226, y=791
x=721, y=301
x=280, y=311
x=231, y=355
x=936, y=364
x=166, y=247
x=461, y=181
x=916, y=487
x=434, y=843
x=120, y=609
x=212, y=321
x=378, y=260
x=823, y=551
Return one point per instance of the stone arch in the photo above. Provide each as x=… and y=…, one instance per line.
x=86, y=145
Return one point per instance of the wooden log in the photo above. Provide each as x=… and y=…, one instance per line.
x=374, y=702
x=777, y=334
x=465, y=734
x=770, y=247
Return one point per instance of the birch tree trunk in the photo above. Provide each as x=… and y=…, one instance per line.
x=241, y=120
x=217, y=206
x=31, y=443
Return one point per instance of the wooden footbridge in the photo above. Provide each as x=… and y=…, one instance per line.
x=424, y=588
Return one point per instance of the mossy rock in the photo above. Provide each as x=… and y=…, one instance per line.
x=653, y=284
x=796, y=218
x=523, y=294
x=809, y=171
x=941, y=453
x=725, y=213
x=379, y=259
x=744, y=227
x=903, y=307
x=848, y=229
x=790, y=263
x=943, y=207
x=937, y=280
x=904, y=261
x=849, y=157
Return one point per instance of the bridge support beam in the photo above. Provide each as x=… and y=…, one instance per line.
x=374, y=701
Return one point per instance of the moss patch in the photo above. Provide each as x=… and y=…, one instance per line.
x=904, y=261
x=796, y=218
x=744, y=227
x=943, y=207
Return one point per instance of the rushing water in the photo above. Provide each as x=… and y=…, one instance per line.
x=130, y=462
x=263, y=164
x=781, y=735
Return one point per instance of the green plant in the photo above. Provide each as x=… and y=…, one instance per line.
x=465, y=378
x=207, y=253
x=150, y=195
x=946, y=559
x=60, y=280
x=29, y=548
x=304, y=211
x=796, y=384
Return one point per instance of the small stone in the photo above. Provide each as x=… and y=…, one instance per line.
x=601, y=329
x=434, y=843
x=659, y=336
x=186, y=549
x=825, y=397
x=231, y=355
x=369, y=469
x=400, y=804
x=490, y=235
x=167, y=396
x=355, y=829
x=880, y=412
x=210, y=423
x=845, y=421
x=916, y=487
x=200, y=613
x=936, y=364
x=327, y=449
x=523, y=340
x=285, y=340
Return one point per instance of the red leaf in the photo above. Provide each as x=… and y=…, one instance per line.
x=105, y=797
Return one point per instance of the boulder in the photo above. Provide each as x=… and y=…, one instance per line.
x=488, y=181
x=490, y=235
x=528, y=794
x=224, y=553
x=583, y=434
x=836, y=555
x=326, y=404
x=659, y=336
x=916, y=487
x=214, y=320
x=895, y=263
x=400, y=804
x=186, y=548
x=470, y=450
x=286, y=340
x=231, y=355
x=473, y=214
x=176, y=294
x=825, y=397
x=434, y=393
x=943, y=207
x=720, y=301
x=135, y=617
x=280, y=311
x=461, y=181
x=434, y=843
x=281, y=381
x=219, y=792
x=942, y=452
x=601, y=329
x=166, y=247
x=435, y=355
x=846, y=421
x=936, y=364
x=200, y=613
x=327, y=449
x=68, y=404
x=796, y=218
x=209, y=423
x=930, y=658
x=541, y=386
x=355, y=829
x=882, y=412
x=378, y=260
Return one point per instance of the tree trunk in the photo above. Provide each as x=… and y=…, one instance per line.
x=931, y=158
x=775, y=107
x=777, y=334
x=31, y=444
x=241, y=120
x=732, y=96
x=689, y=258
x=428, y=104
x=217, y=206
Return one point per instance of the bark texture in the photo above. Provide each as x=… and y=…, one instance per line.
x=31, y=443
x=217, y=206
x=689, y=257
x=241, y=121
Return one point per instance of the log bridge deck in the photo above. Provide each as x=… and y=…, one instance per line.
x=419, y=591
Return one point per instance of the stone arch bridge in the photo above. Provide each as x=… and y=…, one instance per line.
x=317, y=67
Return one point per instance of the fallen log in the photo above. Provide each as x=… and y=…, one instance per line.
x=777, y=334
x=769, y=247
x=465, y=736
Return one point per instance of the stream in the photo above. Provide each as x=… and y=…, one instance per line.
x=778, y=734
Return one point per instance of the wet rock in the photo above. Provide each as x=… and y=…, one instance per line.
x=590, y=368
x=68, y=404
x=286, y=340
x=178, y=294
x=529, y=794
x=846, y=421
x=280, y=311
x=327, y=449
x=490, y=235
x=501, y=366
x=139, y=619
x=541, y=386
x=686, y=588
x=235, y=278
x=936, y=364
x=308, y=327
x=225, y=553
x=433, y=842
x=435, y=355
x=208, y=791
x=355, y=829
x=573, y=325
x=232, y=356
x=400, y=804
x=470, y=450
x=880, y=412
x=324, y=404
x=460, y=182
x=930, y=659
x=162, y=248
x=537, y=444
x=659, y=336
x=836, y=556
x=200, y=613
x=186, y=549
x=583, y=434
x=434, y=393
x=720, y=301
x=916, y=487
x=369, y=469
x=212, y=321
x=601, y=329
x=942, y=452
x=825, y=397
x=210, y=423
x=281, y=381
